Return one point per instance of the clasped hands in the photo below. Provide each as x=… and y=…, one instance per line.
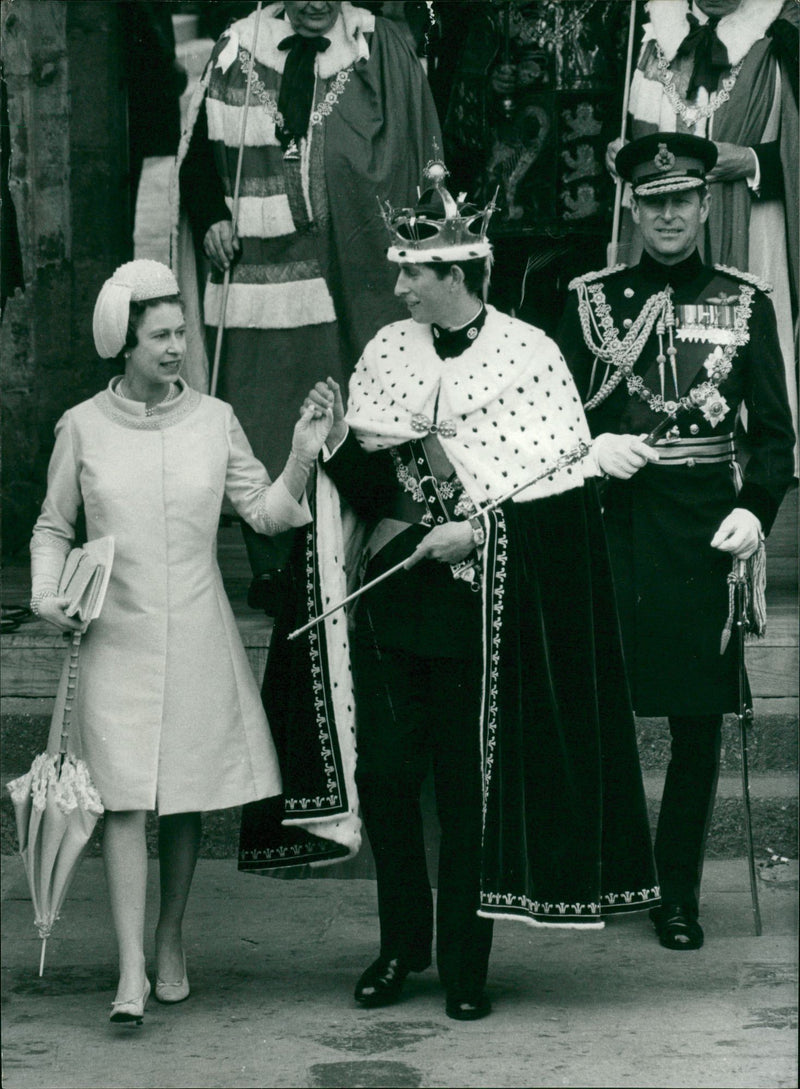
x=450, y=542
x=621, y=456
x=325, y=401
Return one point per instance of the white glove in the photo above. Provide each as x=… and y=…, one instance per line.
x=740, y=534
x=621, y=456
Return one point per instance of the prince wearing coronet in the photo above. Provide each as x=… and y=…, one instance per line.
x=675, y=343
x=510, y=679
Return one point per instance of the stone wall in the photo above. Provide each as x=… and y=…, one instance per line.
x=68, y=185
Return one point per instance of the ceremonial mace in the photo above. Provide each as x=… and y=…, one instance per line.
x=507, y=101
x=611, y=256
x=226, y=280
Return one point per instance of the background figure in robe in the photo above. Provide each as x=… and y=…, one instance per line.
x=728, y=70
x=340, y=117
x=155, y=83
x=529, y=95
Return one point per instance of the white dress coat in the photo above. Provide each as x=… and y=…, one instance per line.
x=167, y=714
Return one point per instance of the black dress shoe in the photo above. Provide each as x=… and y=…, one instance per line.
x=677, y=927
x=381, y=983
x=468, y=1008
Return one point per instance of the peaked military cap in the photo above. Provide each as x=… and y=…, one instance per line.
x=665, y=162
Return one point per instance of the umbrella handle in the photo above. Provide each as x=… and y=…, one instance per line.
x=41, y=957
x=72, y=679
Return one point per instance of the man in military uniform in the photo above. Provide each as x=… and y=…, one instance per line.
x=675, y=343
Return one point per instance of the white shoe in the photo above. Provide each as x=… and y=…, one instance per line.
x=131, y=1010
x=173, y=992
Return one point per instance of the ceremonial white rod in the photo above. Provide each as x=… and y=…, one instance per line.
x=611, y=256
x=226, y=280
x=578, y=454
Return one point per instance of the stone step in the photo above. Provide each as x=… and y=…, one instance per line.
x=772, y=740
x=32, y=657
x=772, y=747
x=773, y=805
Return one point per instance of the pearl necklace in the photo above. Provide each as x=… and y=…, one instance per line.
x=171, y=394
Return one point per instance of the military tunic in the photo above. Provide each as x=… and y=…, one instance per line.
x=671, y=585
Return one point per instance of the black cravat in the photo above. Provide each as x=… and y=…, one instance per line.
x=296, y=96
x=710, y=56
x=452, y=342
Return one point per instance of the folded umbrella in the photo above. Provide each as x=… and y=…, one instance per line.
x=55, y=802
x=56, y=808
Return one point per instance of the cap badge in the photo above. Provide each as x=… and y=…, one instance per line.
x=664, y=159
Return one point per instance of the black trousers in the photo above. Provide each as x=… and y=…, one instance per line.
x=686, y=807
x=412, y=710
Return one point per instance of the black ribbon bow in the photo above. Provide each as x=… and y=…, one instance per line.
x=296, y=95
x=710, y=56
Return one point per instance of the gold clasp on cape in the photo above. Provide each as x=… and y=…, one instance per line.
x=425, y=426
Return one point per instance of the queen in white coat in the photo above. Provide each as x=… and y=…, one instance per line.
x=167, y=713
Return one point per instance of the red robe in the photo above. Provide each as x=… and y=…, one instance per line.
x=311, y=286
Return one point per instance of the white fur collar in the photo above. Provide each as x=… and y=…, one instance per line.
x=348, y=44
x=510, y=390
x=738, y=31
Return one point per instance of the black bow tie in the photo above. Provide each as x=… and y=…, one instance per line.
x=296, y=95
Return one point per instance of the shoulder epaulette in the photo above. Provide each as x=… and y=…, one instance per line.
x=588, y=277
x=748, y=277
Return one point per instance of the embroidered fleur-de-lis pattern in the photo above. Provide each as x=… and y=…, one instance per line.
x=503, y=903
x=563, y=914
x=498, y=550
x=294, y=854
x=333, y=798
